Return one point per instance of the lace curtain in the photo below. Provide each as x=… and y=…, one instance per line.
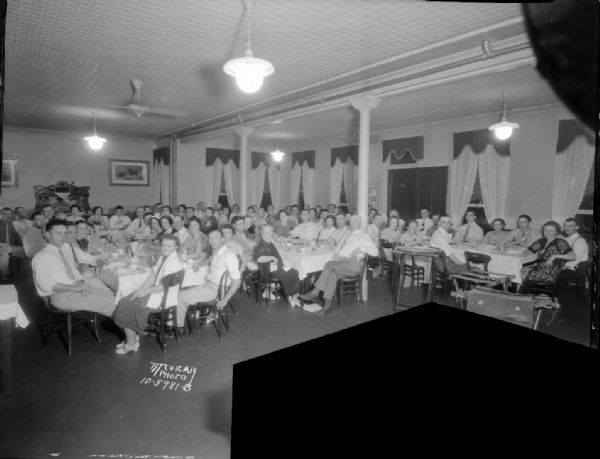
x=571, y=174
x=231, y=173
x=463, y=172
x=335, y=183
x=258, y=180
x=308, y=188
x=274, y=184
x=493, y=178
x=162, y=173
x=295, y=183
x=213, y=182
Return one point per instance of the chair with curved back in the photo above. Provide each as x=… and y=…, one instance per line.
x=351, y=285
x=267, y=283
x=203, y=310
x=249, y=282
x=61, y=319
x=580, y=283
x=165, y=317
x=387, y=266
x=476, y=258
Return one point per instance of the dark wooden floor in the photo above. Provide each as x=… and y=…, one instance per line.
x=93, y=403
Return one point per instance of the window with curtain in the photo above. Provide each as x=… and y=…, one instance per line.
x=223, y=200
x=476, y=204
x=266, y=195
x=343, y=198
x=301, y=193
x=585, y=214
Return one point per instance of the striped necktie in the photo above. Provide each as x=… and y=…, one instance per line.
x=67, y=266
x=465, y=238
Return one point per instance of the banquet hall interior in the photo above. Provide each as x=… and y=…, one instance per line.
x=137, y=127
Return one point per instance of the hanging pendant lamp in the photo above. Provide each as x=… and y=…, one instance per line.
x=249, y=71
x=95, y=142
x=503, y=130
x=277, y=154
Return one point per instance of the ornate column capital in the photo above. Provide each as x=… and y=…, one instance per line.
x=243, y=131
x=364, y=101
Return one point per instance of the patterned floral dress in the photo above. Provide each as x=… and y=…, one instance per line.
x=541, y=272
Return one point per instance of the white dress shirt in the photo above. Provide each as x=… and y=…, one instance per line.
x=117, y=222
x=475, y=233
x=49, y=268
x=308, y=231
x=373, y=231
x=580, y=248
x=440, y=239
x=223, y=260
x=358, y=239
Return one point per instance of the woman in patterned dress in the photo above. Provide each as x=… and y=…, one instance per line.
x=547, y=247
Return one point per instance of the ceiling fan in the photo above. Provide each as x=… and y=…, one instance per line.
x=135, y=106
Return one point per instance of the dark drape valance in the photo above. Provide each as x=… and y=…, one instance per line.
x=478, y=141
x=265, y=158
x=161, y=155
x=343, y=153
x=567, y=131
x=212, y=154
x=304, y=156
x=403, y=151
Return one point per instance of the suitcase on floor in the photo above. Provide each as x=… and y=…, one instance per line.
x=510, y=307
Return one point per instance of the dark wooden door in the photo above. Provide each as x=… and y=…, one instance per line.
x=410, y=190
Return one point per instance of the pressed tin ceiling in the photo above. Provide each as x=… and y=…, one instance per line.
x=67, y=58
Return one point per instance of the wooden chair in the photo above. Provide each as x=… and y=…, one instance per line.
x=201, y=311
x=250, y=282
x=579, y=284
x=440, y=277
x=351, y=286
x=266, y=282
x=477, y=259
x=387, y=266
x=63, y=320
x=158, y=321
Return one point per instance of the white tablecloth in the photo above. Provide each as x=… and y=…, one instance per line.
x=9, y=306
x=308, y=262
x=508, y=263
x=126, y=280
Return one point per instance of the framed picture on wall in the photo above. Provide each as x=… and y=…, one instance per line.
x=129, y=173
x=10, y=174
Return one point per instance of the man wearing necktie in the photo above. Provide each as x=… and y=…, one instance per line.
x=56, y=275
x=347, y=262
x=470, y=231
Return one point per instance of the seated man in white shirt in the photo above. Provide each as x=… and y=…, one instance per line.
x=57, y=276
x=137, y=223
x=306, y=230
x=133, y=310
x=574, y=269
x=293, y=214
x=21, y=224
x=81, y=238
x=119, y=221
x=179, y=229
x=347, y=262
x=440, y=239
x=374, y=229
x=470, y=231
x=424, y=223
x=33, y=240
x=221, y=260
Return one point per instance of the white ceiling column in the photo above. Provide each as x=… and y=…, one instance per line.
x=244, y=132
x=364, y=104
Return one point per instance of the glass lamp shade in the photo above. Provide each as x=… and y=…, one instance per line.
x=95, y=142
x=503, y=130
x=248, y=71
x=277, y=155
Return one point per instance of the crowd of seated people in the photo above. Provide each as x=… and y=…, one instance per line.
x=53, y=246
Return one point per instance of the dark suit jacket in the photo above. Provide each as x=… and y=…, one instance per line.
x=268, y=249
